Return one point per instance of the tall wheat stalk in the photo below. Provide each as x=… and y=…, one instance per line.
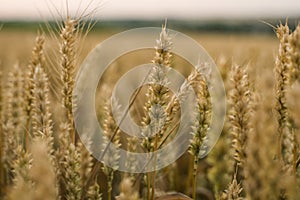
x=155, y=107
x=74, y=164
x=240, y=112
x=202, y=122
x=109, y=126
x=282, y=81
x=239, y=116
x=68, y=50
x=40, y=108
x=13, y=123
x=37, y=60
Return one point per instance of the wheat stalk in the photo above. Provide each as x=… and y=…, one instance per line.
x=13, y=123
x=40, y=103
x=155, y=107
x=71, y=170
x=202, y=123
x=37, y=59
x=282, y=81
x=109, y=126
x=68, y=49
x=240, y=112
x=157, y=93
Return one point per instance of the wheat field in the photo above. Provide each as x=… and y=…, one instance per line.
x=257, y=155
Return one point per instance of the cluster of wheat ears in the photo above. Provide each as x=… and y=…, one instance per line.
x=257, y=156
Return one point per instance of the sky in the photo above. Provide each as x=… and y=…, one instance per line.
x=151, y=9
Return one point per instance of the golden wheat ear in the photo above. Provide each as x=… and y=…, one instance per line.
x=63, y=58
x=282, y=75
x=157, y=93
x=40, y=103
x=240, y=112
x=13, y=132
x=202, y=118
x=37, y=59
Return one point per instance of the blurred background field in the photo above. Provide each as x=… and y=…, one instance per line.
x=243, y=44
